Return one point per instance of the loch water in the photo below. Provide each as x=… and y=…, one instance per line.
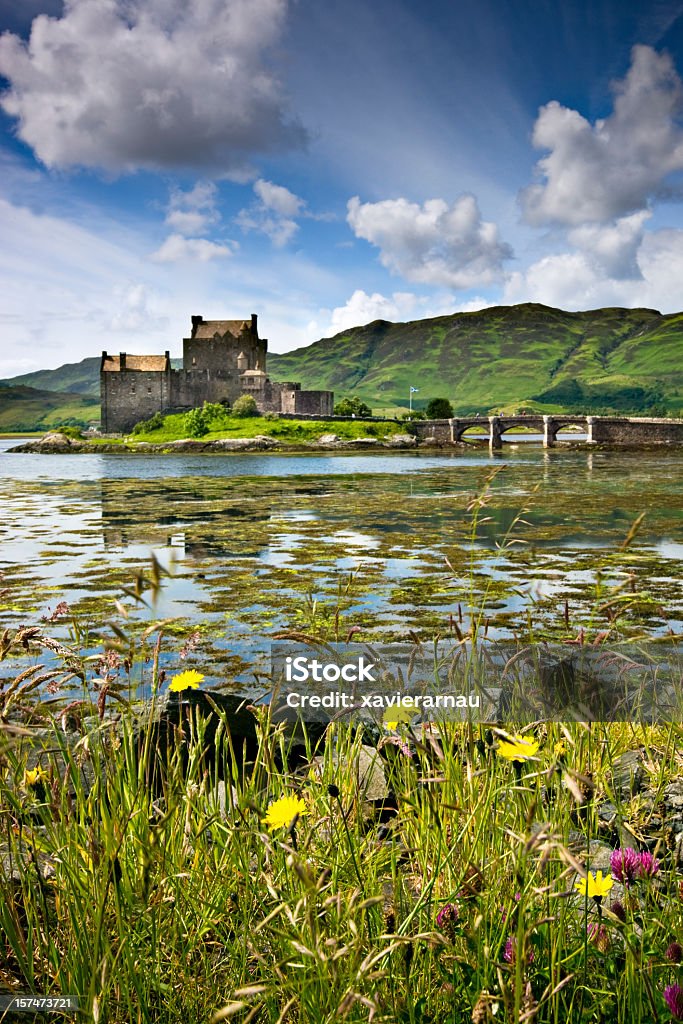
x=523, y=542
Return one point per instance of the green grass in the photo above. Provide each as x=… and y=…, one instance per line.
x=174, y=428
x=158, y=907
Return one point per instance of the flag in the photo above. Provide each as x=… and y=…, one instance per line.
x=413, y=390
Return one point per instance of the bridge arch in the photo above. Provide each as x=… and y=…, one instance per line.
x=554, y=424
x=477, y=427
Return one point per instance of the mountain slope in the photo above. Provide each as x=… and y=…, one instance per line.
x=606, y=359
x=23, y=408
x=77, y=378
x=602, y=360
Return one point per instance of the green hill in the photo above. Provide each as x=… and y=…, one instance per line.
x=27, y=409
x=77, y=378
x=603, y=360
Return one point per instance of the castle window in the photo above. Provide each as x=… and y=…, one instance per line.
x=194, y=360
x=149, y=391
x=132, y=389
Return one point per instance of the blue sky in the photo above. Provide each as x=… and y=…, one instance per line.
x=325, y=165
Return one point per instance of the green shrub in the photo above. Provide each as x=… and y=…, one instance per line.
x=69, y=431
x=439, y=409
x=215, y=413
x=245, y=406
x=352, y=407
x=194, y=423
x=155, y=422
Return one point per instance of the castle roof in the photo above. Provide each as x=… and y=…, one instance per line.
x=112, y=364
x=208, y=328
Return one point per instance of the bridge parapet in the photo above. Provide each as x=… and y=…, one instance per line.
x=615, y=430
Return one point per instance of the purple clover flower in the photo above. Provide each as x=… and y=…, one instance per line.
x=625, y=865
x=598, y=936
x=674, y=952
x=673, y=997
x=510, y=951
x=648, y=865
x=447, y=918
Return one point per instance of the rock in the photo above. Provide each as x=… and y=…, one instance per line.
x=328, y=439
x=52, y=442
x=241, y=444
x=628, y=774
x=185, y=444
x=15, y=864
x=400, y=441
x=599, y=855
x=369, y=776
x=52, y=439
x=362, y=442
x=673, y=798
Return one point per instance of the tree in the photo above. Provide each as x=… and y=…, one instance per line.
x=352, y=407
x=245, y=406
x=439, y=409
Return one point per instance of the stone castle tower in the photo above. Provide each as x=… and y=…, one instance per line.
x=222, y=359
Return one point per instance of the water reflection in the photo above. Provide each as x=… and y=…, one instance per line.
x=390, y=540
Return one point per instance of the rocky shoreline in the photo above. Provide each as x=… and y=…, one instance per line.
x=60, y=444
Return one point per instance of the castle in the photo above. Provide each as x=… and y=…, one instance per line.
x=222, y=359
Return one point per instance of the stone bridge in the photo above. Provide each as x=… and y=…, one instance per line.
x=610, y=430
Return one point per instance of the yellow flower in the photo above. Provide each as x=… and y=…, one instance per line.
x=517, y=748
x=189, y=679
x=594, y=887
x=34, y=776
x=393, y=717
x=283, y=811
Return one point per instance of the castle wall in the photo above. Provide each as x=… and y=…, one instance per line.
x=313, y=403
x=129, y=396
x=190, y=389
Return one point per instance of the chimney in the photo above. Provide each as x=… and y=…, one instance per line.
x=122, y=360
x=254, y=318
x=196, y=321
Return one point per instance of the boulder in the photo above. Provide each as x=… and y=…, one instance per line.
x=400, y=441
x=54, y=438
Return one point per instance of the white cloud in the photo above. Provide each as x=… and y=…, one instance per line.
x=278, y=198
x=362, y=308
x=612, y=168
x=67, y=288
x=434, y=243
x=273, y=212
x=613, y=247
x=192, y=212
x=574, y=280
x=176, y=248
x=153, y=84
x=137, y=309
